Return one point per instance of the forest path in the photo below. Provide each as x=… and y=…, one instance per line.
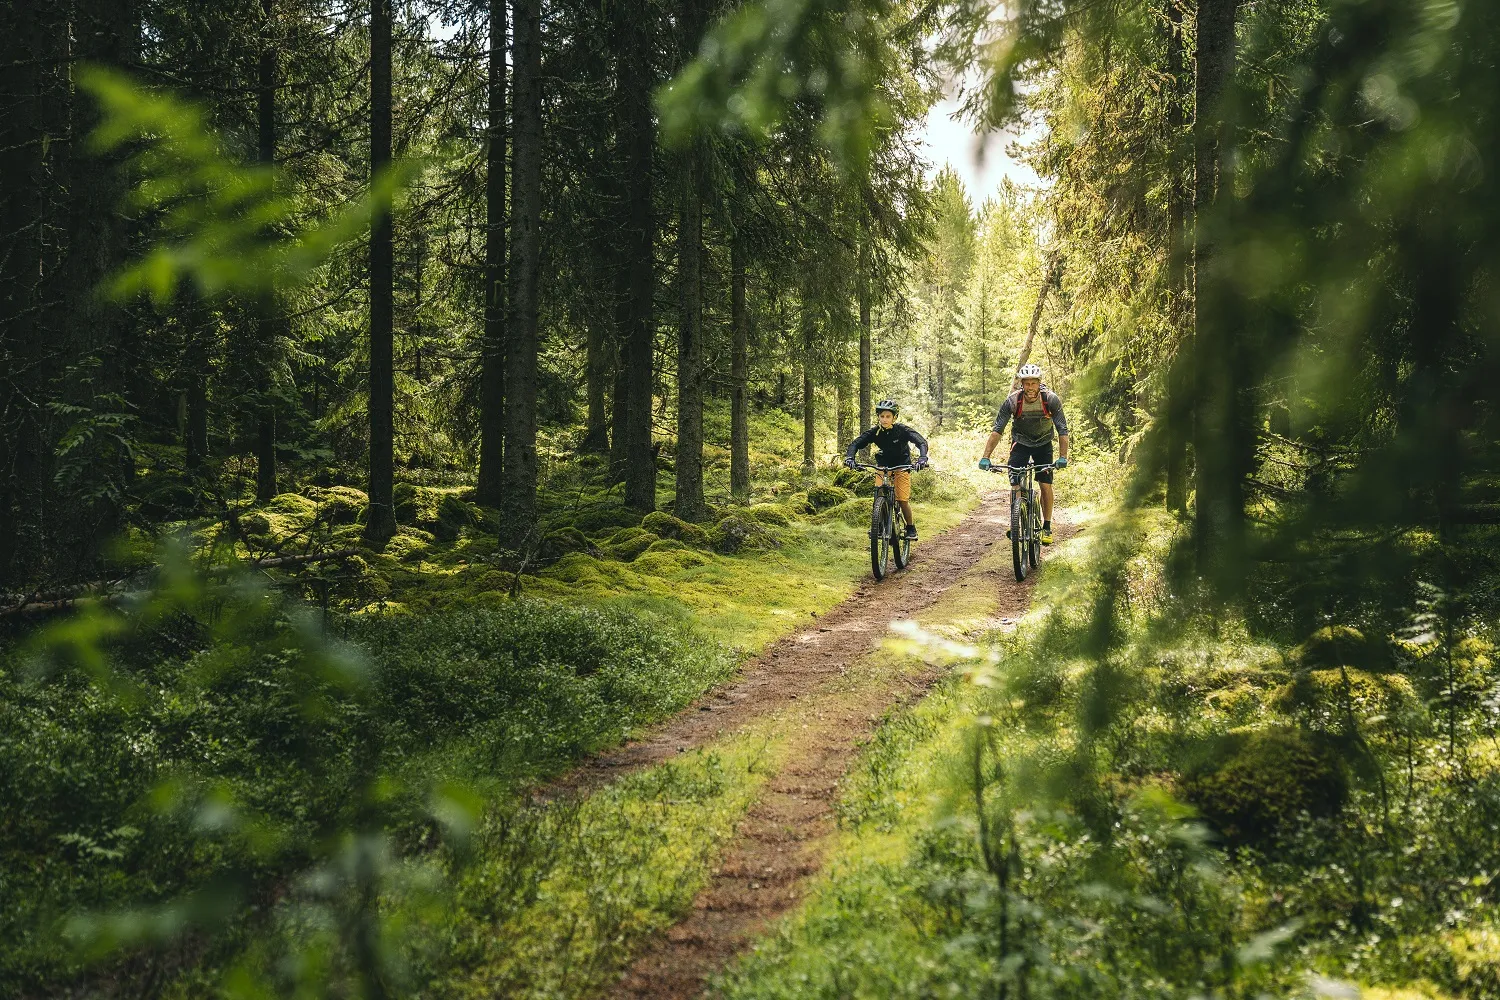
x=831, y=683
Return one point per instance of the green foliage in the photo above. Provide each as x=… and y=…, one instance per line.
x=225, y=228
x=1260, y=785
x=173, y=765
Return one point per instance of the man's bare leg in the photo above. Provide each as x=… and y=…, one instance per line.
x=1047, y=502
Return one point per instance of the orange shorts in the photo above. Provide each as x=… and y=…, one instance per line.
x=902, y=481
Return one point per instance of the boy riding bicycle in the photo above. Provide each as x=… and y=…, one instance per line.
x=892, y=443
x=1033, y=413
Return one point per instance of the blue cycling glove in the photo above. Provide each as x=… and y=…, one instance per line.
x=1062, y=462
x=984, y=463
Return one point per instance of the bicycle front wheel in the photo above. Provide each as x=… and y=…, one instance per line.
x=1036, y=533
x=1018, y=550
x=880, y=538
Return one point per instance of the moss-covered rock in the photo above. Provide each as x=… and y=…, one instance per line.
x=855, y=512
x=409, y=544
x=254, y=524
x=798, y=503
x=853, y=480
x=454, y=516
x=666, y=545
x=822, y=497
x=556, y=544
x=1255, y=786
x=668, y=562
x=1340, y=646
x=670, y=526
x=339, y=504
x=602, y=517
x=779, y=515
x=737, y=533
x=627, y=535
x=1319, y=699
x=293, y=505
x=630, y=548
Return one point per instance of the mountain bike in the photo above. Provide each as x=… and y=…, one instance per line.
x=887, y=522
x=1025, y=518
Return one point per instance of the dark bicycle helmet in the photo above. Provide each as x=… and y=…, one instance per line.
x=887, y=404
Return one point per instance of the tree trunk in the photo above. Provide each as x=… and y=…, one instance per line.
x=866, y=343
x=1050, y=279
x=634, y=31
x=596, y=374
x=521, y=469
x=689, y=503
x=809, y=413
x=844, y=392
x=267, y=311
x=739, y=371
x=1175, y=414
x=382, y=518
x=491, y=491
x=1220, y=503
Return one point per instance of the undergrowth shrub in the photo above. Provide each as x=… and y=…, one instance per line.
x=1259, y=785
x=221, y=746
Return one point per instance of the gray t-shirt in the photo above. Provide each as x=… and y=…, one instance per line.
x=1035, y=422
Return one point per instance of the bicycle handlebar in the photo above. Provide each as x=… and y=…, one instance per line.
x=887, y=468
x=1021, y=468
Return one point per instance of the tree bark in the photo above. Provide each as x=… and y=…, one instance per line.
x=521, y=467
x=739, y=372
x=596, y=374
x=809, y=413
x=689, y=504
x=382, y=517
x=491, y=486
x=1178, y=432
x=636, y=325
x=1220, y=501
x=267, y=310
x=1049, y=280
x=866, y=344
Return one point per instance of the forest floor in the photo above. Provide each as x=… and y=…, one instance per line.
x=827, y=686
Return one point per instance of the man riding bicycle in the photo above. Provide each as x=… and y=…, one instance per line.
x=1033, y=413
x=892, y=443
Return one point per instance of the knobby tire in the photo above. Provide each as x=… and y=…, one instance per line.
x=1017, y=536
x=879, y=537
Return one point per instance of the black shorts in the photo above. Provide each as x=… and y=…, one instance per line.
x=1019, y=453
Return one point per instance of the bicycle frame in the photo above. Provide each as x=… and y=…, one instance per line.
x=1025, y=517
x=887, y=521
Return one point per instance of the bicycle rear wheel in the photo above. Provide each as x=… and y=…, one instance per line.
x=900, y=544
x=1018, y=549
x=880, y=537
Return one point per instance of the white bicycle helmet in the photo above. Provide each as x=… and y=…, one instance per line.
x=1029, y=371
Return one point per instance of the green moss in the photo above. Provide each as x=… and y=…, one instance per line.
x=736, y=533
x=556, y=544
x=822, y=497
x=631, y=547
x=604, y=517
x=339, y=504
x=854, y=512
x=1257, y=784
x=776, y=514
x=1339, y=646
x=663, y=563
x=626, y=535
x=293, y=505
x=669, y=526
x=254, y=523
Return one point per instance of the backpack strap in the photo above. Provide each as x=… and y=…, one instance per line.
x=1021, y=404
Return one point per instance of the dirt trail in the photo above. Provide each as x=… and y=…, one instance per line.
x=782, y=840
